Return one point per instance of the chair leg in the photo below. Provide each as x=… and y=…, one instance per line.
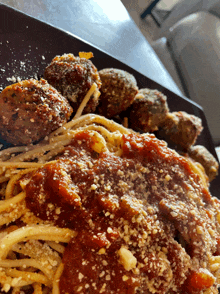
x=148, y=10
x=158, y=17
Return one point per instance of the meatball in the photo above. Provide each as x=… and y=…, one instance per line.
x=31, y=110
x=148, y=110
x=206, y=159
x=181, y=128
x=73, y=76
x=117, y=92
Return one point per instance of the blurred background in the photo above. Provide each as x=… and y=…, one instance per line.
x=148, y=26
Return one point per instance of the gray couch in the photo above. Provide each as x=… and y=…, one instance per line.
x=190, y=50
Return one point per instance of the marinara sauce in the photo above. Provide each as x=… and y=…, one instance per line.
x=137, y=216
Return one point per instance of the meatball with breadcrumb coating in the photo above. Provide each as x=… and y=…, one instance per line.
x=148, y=110
x=181, y=129
x=73, y=76
x=31, y=110
x=200, y=154
x=117, y=92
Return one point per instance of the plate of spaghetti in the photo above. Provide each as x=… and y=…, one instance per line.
x=108, y=181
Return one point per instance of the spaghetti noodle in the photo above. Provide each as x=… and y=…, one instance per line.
x=23, y=160
x=98, y=208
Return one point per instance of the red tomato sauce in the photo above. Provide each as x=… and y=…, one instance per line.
x=130, y=214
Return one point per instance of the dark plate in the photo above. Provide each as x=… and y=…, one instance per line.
x=27, y=45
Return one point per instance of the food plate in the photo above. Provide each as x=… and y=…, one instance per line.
x=27, y=45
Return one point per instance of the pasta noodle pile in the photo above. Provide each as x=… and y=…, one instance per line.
x=31, y=249
x=42, y=263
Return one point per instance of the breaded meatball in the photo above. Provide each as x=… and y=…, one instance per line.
x=31, y=110
x=181, y=128
x=148, y=110
x=117, y=92
x=206, y=159
x=73, y=76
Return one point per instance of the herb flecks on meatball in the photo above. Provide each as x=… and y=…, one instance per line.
x=181, y=129
x=148, y=110
x=73, y=76
x=206, y=159
x=31, y=110
x=117, y=92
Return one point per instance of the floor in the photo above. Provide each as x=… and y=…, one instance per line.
x=147, y=26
